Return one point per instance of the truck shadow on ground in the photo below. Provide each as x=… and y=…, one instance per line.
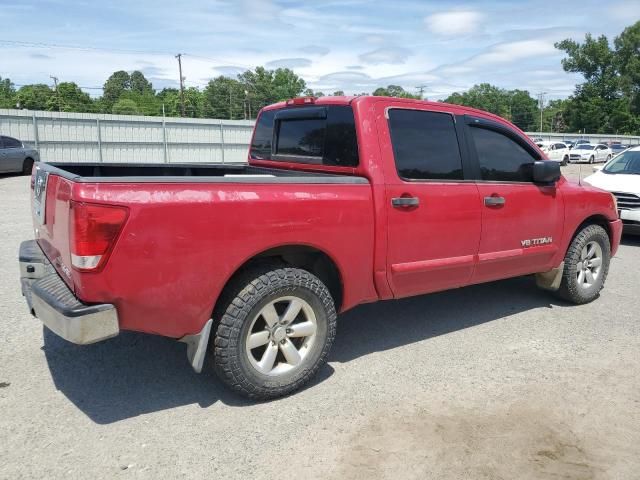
x=134, y=374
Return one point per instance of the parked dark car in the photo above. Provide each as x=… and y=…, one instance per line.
x=617, y=148
x=15, y=156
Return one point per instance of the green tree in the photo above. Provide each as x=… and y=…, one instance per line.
x=608, y=101
x=338, y=93
x=627, y=60
x=115, y=85
x=125, y=106
x=139, y=84
x=70, y=98
x=264, y=86
x=7, y=94
x=523, y=109
x=34, y=97
x=223, y=97
x=393, y=91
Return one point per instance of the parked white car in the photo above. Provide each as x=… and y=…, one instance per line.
x=556, y=151
x=586, y=152
x=621, y=176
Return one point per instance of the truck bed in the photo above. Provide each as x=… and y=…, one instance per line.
x=208, y=173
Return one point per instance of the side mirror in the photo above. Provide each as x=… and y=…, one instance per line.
x=546, y=171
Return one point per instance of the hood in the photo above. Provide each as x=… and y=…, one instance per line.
x=617, y=182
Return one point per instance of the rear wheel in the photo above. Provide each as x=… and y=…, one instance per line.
x=27, y=166
x=275, y=333
x=608, y=158
x=565, y=160
x=586, y=265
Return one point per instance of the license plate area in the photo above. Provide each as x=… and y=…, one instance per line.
x=40, y=195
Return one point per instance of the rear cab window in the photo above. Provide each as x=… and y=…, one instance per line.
x=322, y=135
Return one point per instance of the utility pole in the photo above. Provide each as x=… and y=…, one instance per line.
x=179, y=57
x=421, y=91
x=55, y=82
x=541, y=103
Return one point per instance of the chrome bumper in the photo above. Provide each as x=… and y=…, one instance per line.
x=49, y=299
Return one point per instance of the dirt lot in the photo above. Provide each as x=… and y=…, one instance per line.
x=491, y=381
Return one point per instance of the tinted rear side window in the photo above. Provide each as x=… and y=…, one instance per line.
x=425, y=145
x=327, y=141
x=11, y=142
x=263, y=135
x=500, y=157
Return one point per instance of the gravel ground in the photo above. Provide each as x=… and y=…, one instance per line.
x=492, y=381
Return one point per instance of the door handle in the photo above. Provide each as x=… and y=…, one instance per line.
x=403, y=202
x=494, y=201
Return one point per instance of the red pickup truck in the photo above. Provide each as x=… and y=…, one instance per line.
x=343, y=201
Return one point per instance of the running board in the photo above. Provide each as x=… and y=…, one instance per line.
x=197, y=346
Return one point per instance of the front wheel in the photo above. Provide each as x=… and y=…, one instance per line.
x=591, y=159
x=608, y=158
x=565, y=161
x=275, y=334
x=586, y=265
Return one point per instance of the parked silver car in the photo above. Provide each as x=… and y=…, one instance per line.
x=15, y=156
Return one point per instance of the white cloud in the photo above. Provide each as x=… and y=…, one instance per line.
x=392, y=55
x=509, y=52
x=455, y=22
x=289, y=63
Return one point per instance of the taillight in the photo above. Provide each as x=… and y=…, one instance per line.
x=93, y=230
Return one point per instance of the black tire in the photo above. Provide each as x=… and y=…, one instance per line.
x=570, y=289
x=565, y=161
x=261, y=286
x=591, y=159
x=27, y=166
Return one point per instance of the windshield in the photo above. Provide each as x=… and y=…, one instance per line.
x=584, y=146
x=626, y=163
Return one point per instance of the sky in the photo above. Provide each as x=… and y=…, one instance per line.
x=350, y=45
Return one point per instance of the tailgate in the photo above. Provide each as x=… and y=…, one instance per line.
x=50, y=200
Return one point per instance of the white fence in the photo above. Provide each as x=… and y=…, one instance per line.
x=86, y=137
x=592, y=137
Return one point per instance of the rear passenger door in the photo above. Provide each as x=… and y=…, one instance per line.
x=521, y=221
x=433, y=211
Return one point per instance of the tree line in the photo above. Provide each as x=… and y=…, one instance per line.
x=608, y=101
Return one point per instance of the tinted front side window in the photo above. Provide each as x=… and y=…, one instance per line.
x=425, y=145
x=501, y=158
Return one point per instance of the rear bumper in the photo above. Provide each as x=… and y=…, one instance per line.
x=49, y=299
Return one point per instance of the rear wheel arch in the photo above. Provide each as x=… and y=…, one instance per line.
x=27, y=165
x=305, y=257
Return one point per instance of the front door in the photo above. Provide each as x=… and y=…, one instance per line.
x=433, y=212
x=521, y=221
